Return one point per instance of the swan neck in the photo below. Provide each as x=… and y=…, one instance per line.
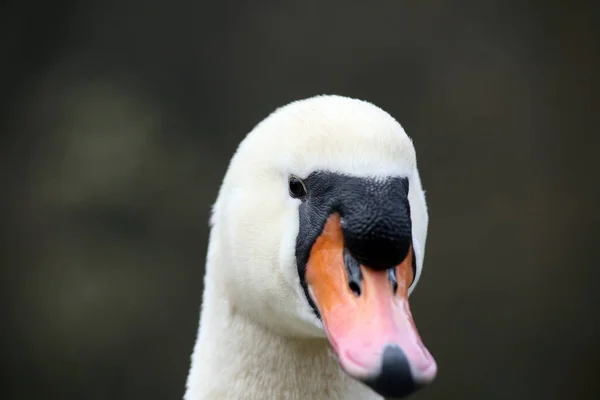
x=237, y=358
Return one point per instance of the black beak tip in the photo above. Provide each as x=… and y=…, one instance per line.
x=395, y=379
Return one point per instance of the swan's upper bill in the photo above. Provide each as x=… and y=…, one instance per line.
x=319, y=231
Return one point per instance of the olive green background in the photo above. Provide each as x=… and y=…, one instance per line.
x=118, y=119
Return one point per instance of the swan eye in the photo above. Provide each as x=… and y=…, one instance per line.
x=297, y=188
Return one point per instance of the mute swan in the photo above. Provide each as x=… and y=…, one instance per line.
x=317, y=238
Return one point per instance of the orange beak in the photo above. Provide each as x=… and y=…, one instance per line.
x=371, y=330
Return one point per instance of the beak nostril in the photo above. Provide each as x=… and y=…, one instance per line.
x=355, y=287
x=393, y=280
x=353, y=273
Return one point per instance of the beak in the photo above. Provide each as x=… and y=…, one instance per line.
x=371, y=330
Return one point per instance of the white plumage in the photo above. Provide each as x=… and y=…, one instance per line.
x=258, y=337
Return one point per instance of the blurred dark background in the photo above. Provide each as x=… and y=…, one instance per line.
x=118, y=118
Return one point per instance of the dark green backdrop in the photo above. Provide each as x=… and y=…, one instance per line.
x=118, y=119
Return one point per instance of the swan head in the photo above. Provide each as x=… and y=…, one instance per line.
x=320, y=229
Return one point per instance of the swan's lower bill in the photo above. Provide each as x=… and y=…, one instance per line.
x=370, y=326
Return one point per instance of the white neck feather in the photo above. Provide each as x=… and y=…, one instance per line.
x=235, y=358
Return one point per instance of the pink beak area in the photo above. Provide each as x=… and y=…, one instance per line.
x=372, y=333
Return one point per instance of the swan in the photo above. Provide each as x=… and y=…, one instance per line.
x=316, y=240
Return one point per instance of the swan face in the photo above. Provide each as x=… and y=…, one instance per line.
x=320, y=229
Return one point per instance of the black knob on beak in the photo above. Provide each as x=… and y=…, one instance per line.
x=376, y=223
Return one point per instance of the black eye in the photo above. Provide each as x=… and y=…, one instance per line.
x=297, y=189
